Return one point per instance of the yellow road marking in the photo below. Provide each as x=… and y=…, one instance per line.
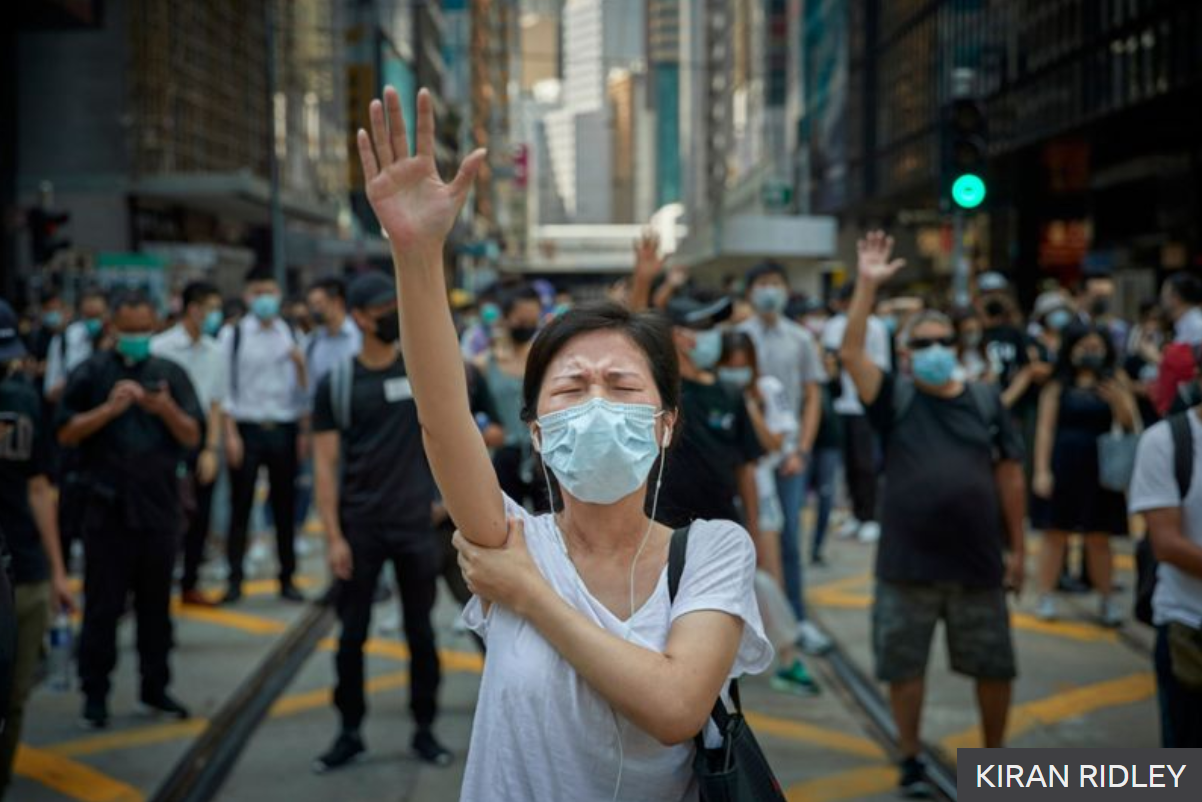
x=72, y=779
x=852, y=784
x=142, y=736
x=809, y=733
x=254, y=624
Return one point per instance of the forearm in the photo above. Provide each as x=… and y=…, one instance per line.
x=853, y=353
x=811, y=417
x=45, y=515
x=1012, y=492
x=326, y=494
x=82, y=426
x=1182, y=554
x=215, y=427
x=768, y=439
x=183, y=427
x=640, y=293
x=670, y=699
x=453, y=444
x=1017, y=388
x=750, y=497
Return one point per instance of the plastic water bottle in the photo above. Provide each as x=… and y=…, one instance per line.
x=61, y=636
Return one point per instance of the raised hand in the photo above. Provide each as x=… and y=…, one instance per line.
x=414, y=205
x=647, y=262
x=874, y=251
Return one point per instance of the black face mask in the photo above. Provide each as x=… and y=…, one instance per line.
x=318, y=318
x=388, y=328
x=523, y=334
x=995, y=309
x=1100, y=307
x=1092, y=362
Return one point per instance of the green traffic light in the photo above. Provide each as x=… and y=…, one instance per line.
x=968, y=191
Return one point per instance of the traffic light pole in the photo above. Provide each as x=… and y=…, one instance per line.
x=959, y=262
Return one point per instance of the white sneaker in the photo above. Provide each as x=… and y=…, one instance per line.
x=1112, y=616
x=870, y=532
x=847, y=530
x=303, y=546
x=812, y=640
x=1046, y=609
x=390, y=622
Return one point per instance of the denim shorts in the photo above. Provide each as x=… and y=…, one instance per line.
x=976, y=623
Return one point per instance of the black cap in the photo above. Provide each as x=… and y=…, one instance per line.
x=11, y=346
x=370, y=289
x=697, y=311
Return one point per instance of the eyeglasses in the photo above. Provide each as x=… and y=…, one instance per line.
x=919, y=343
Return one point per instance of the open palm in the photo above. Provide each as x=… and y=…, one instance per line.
x=874, y=251
x=411, y=201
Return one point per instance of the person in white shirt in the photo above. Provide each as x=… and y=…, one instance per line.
x=860, y=444
x=595, y=683
x=264, y=405
x=72, y=347
x=191, y=344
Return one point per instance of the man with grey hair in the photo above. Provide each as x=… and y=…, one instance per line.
x=954, y=495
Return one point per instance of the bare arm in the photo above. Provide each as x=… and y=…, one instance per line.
x=326, y=447
x=769, y=440
x=417, y=210
x=750, y=496
x=1045, y=432
x=875, y=268
x=45, y=515
x=85, y=424
x=1017, y=388
x=647, y=265
x=1012, y=490
x=1169, y=543
x=182, y=426
x=811, y=416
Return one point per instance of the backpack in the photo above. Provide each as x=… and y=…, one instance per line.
x=1145, y=559
x=984, y=399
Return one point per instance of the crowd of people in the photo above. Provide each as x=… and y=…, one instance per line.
x=572, y=445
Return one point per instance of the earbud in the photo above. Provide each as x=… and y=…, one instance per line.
x=667, y=436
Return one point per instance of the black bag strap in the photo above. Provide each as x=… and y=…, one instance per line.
x=234, y=346
x=677, y=551
x=1183, y=451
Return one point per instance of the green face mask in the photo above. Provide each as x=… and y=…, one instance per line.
x=134, y=347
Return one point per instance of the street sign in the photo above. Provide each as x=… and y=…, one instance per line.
x=777, y=194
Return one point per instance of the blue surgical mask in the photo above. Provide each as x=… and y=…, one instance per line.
x=212, y=322
x=935, y=365
x=1059, y=319
x=769, y=299
x=134, y=347
x=490, y=314
x=736, y=378
x=94, y=325
x=265, y=307
x=600, y=451
x=52, y=319
x=707, y=349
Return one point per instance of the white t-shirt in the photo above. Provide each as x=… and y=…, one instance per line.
x=1178, y=595
x=876, y=344
x=542, y=733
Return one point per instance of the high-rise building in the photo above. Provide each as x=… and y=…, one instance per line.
x=663, y=96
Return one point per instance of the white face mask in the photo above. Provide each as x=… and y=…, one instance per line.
x=600, y=451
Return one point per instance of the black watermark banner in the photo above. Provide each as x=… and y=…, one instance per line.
x=1078, y=775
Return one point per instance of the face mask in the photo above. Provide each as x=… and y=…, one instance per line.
x=736, y=378
x=1091, y=362
x=134, y=347
x=94, y=325
x=490, y=314
x=1100, y=307
x=769, y=299
x=319, y=318
x=52, y=319
x=388, y=328
x=1059, y=319
x=523, y=334
x=599, y=451
x=891, y=325
x=707, y=349
x=212, y=322
x=995, y=309
x=934, y=365
x=265, y=307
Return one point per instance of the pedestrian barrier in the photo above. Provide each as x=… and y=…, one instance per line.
x=200, y=773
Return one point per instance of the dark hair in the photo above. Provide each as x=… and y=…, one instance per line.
x=92, y=291
x=768, y=268
x=233, y=307
x=512, y=296
x=735, y=341
x=198, y=292
x=130, y=299
x=259, y=273
x=650, y=331
x=332, y=286
x=1186, y=286
x=49, y=294
x=1073, y=334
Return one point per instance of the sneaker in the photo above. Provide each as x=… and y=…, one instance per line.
x=795, y=680
x=812, y=640
x=913, y=782
x=233, y=595
x=302, y=546
x=1046, y=609
x=848, y=529
x=1111, y=615
x=95, y=714
x=427, y=749
x=289, y=593
x=163, y=704
x=347, y=747
x=870, y=532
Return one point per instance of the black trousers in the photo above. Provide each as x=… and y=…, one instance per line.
x=120, y=562
x=859, y=460
x=274, y=447
x=417, y=560
x=198, y=507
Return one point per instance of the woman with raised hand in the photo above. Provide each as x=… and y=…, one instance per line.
x=595, y=682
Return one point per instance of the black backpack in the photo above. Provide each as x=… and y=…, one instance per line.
x=1145, y=560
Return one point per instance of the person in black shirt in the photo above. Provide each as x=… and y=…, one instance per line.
x=954, y=499
x=134, y=418
x=374, y=494
x=29, y=530
x=713, y=462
